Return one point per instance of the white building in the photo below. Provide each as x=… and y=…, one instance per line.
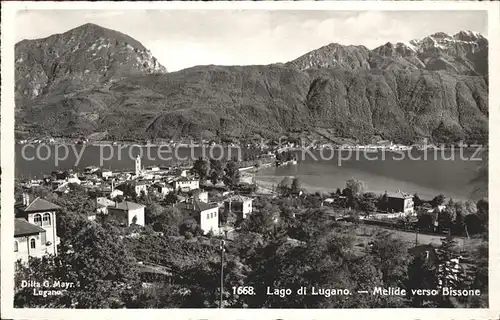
x=35, y=229
x=137, y=186
x=202, y=196
x=73, y=178
x=127, y=213
x=239, y=205
x=185, y=184
x=103, y=204
x=105, y=174
x=90, y=170
x=163, y=188
x=115, y=193
x=205, y=214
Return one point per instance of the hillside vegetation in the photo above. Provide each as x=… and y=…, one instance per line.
x=91, y=80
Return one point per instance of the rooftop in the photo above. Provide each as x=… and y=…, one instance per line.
x=238, y=198
x=127, y=205
x=139, y=183
x=24, y=228
x=399, y=194
x=39, y=205
x=104, y=201
x=196, y=206
x=186, y=179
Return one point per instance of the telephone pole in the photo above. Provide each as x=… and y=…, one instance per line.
x=416, y=237
x=221, y=273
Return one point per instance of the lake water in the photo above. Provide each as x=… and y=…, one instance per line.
x=448, y=172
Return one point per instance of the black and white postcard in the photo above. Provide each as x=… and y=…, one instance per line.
x=249, y=159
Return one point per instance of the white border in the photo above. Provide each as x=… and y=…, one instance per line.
x=7, y=159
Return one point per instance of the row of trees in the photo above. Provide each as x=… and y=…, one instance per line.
x=215, y=171
x=289, y=186
x=457, y=217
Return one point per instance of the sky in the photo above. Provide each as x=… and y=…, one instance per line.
x=180, y=39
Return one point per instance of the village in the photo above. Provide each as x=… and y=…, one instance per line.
x=191, y=206
x=165, y=214
x=115, y=194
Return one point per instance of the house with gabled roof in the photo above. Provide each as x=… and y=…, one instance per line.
x=29, y=240
x=38, y=215
x=239, y=205
x=400, y=202
x=205, y=214
x=127, y=213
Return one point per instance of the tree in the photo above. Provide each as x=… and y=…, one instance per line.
x=480, y=181
x=216, y=171
x=460, y=210
x=201, y=168
x=86, y=254
x=425, y=221
x=171, y=198
x=296, y=186
x=367, y=202
x=445, y=220
x=383, y=202
x=483, y=213
x=391, y=258
x=449, y=272
x=40, y=270
x=258, y=164
x=232, y=175
x=481, y=274
x=355, y=186
x=261, y=221
x=473, y=223
x=284, y=187
x=417, y=201
x=420, y=275
x=152, y=212
x=437, y=200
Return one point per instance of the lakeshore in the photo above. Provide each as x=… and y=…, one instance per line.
x=427, y=177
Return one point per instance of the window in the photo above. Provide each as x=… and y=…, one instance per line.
x=208, y=215
x=38, y=219
x=32, y=243
x=16, y=246
x=44, y=238
x=46, y=219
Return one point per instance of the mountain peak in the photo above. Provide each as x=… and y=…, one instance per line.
x=334, y=55
x=468, y=35
x=440, y=35
x=462, y=53
x=82, y=56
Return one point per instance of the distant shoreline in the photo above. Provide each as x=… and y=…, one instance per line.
x=268, y=183
x=357, y=147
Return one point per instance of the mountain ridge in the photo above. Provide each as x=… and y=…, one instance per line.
x=86, y=55
x=462, y=53
x=350, y=91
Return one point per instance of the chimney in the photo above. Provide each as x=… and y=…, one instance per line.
x=26, y=199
